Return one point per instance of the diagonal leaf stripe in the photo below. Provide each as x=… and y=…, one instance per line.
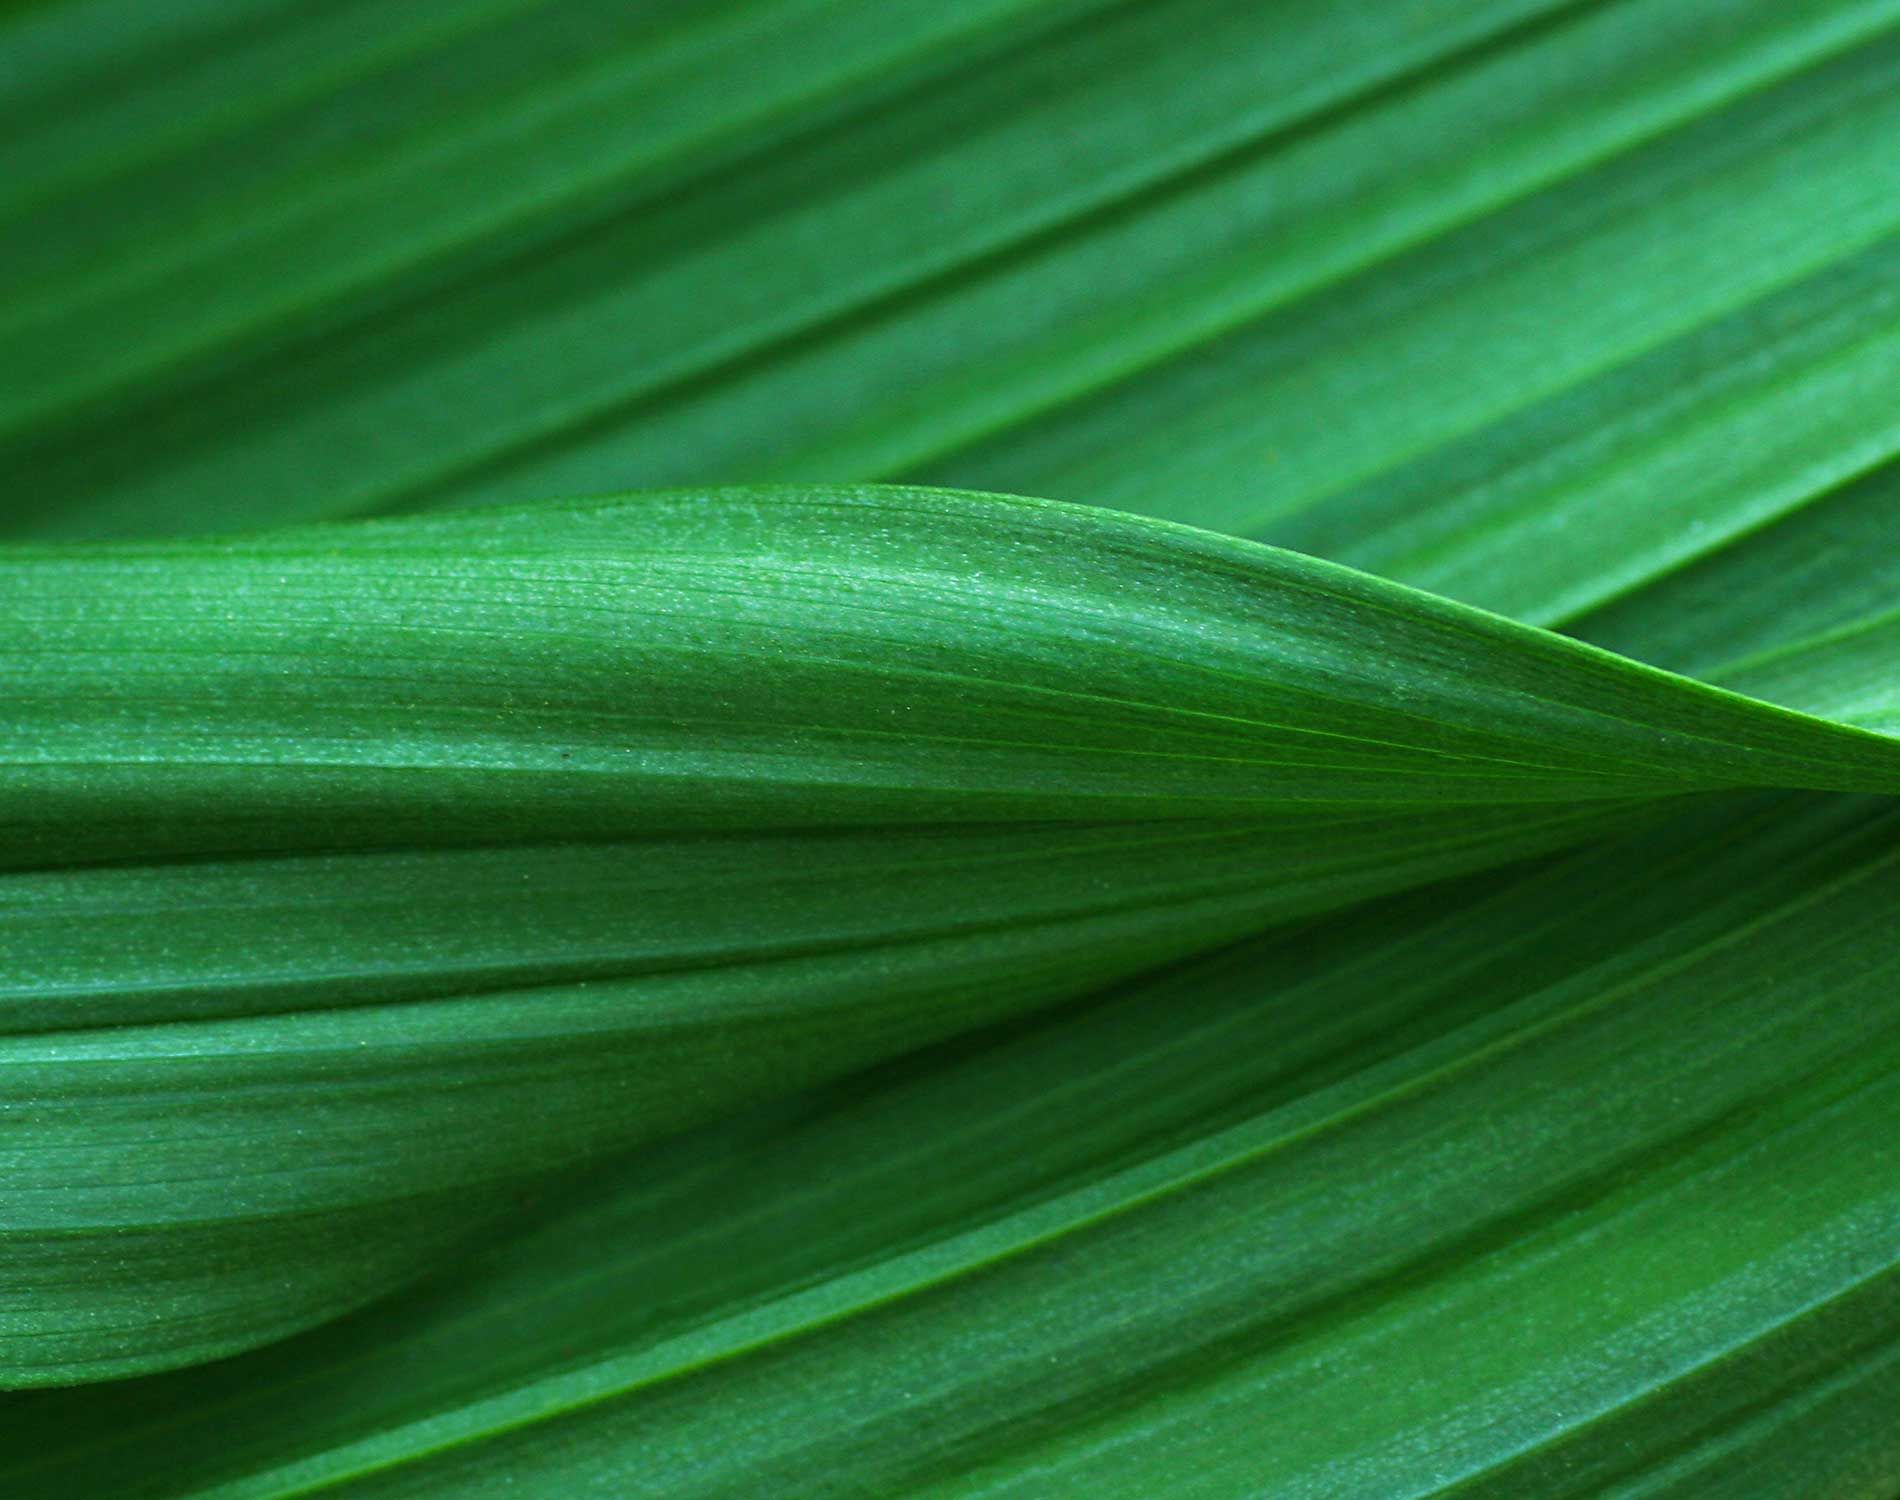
x=1064, y=1283
x=1195, y=306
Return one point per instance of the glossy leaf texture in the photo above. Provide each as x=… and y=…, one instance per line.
x=663, y=803
x=1698, y=1074
x=836, y=990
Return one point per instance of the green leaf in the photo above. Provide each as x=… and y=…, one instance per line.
x=815, y=658
x=664, y=803
x=371, y=894
x=1522, y=1186
x=1307, y=270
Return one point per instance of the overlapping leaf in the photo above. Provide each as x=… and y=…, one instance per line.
x=663, y=803
x=1645, y=1146
x=356, y=887
x=1701, y=1076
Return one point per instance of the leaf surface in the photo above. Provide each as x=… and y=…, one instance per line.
x=371, y=894
x=1529, y=255
x=430, y=856
x=1256, y=1222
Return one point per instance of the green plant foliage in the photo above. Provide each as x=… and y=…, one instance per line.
x=1642, y=1146
x=669, y=802
x=810, y=975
